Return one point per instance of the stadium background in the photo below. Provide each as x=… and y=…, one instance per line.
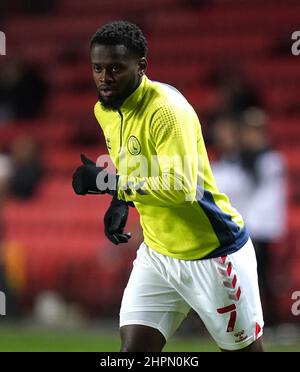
x=57, y=268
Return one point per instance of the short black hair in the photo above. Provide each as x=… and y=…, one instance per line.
x=124, y=33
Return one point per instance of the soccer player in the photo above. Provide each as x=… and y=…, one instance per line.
x=196, y=251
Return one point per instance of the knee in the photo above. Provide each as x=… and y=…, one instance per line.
x=130, y=348
x=137, y=338
x=133, y=347
x=126, y=349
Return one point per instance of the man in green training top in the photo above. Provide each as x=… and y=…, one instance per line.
x=196, y=251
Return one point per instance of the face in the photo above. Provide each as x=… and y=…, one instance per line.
x=225, y=136
x=117, y=72
x=252, y=138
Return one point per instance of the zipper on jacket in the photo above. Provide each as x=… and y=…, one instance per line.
x=121, y=129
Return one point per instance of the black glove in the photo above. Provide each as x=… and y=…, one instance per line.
x=115, y=220
x=85, y=177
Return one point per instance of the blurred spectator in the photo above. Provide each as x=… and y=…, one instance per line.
x=12, y=306
x=22, y=91
x=5, y=174
x=27, y=168
x=265, y=166
x=3, y=285
x=236, y=95
x=12, y=276
x=19, y=174
x=228, y=171
x=226, y=137
x=252, y=175
x=265, y=214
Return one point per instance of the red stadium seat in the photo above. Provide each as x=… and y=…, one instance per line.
x=284, y=130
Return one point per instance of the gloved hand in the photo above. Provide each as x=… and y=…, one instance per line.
x=115, y=220
x=85, y=178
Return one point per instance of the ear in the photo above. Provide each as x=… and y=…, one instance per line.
x=143, y=63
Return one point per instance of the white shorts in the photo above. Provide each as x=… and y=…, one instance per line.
x=223, y=291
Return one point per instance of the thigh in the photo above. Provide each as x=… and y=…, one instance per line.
x=150, y=301
x=224, y=292
x=141, y=338
x=147, y=331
